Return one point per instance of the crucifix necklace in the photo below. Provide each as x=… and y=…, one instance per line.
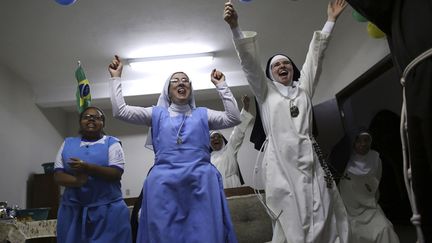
x=293, y=109
x=179, y=138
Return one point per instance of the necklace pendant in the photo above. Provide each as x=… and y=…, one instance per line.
x=179, y=140
x=294, y=111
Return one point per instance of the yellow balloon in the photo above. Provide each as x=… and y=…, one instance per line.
x=374, y=31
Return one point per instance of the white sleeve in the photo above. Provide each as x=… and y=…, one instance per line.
x=328, y=27
x=248, y=53
x=311, y=69
x=237, y=33
x=237, y=135
x=133, y=114
x=228, y=118
x=58, y=164
x=116, y=156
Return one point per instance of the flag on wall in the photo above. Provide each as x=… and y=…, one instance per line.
x=83, y=96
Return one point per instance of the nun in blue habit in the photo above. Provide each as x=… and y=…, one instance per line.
x=183, y=197
x=90, y=167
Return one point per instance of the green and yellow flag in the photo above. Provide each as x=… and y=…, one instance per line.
x=83, y=96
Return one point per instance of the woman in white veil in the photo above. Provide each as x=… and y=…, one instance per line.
x=359, y=191
x=183, y=198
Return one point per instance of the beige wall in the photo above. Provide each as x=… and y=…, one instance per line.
x=28, y=136
x=350, y=53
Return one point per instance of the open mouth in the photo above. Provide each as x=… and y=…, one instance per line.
x=91, y=125
x=283, y=73
x=181, y=90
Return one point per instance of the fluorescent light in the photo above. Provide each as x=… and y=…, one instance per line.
x=177, y=62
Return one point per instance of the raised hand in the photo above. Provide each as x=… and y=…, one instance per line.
x=217, y=77
x=116, y=67
x=245, y=101
x=230, y=15
x=334, y=9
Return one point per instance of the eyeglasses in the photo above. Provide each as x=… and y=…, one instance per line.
x=92, y=117
x=177, y=81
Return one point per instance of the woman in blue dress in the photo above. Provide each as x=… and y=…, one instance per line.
x=90, y=167
x=183, y=197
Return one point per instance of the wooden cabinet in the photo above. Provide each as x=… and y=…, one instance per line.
x=42, y=191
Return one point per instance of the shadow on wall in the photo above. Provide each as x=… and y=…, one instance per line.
x=384, y=128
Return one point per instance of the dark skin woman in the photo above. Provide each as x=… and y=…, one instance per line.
x=90, y=167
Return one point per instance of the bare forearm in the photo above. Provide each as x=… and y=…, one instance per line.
x=68, y=180
x=107, y=173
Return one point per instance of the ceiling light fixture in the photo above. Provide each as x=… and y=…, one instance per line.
x=184, y=62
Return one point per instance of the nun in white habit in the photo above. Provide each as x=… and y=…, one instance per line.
x=359, y=191
x=224, y=152
x=300, y=194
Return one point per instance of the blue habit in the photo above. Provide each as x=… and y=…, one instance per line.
x=94, y=212
x=183, y=200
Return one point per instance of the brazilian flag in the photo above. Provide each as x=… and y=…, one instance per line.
x=83, y=96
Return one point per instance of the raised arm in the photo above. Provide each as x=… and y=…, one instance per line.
x=132, y=114
x=237, y=136
x=230, y=15
x=334, y=9
x=231, y=115
x=247, y=50
x=311, y=69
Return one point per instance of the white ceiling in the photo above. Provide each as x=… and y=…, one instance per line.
x=42, y=41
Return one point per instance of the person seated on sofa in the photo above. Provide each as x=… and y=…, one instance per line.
x=359, y=191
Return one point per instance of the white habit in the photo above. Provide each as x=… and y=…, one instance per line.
x=360, y=194
x=293, y=177
x=225, y=159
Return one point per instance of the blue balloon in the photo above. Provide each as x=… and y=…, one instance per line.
x=245, y=1
x=65, y=2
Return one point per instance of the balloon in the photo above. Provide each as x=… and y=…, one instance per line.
x=65, y=2
x=245, y=1
x=358, y=16
x=374, y=31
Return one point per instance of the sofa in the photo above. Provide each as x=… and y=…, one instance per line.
x=251, y=221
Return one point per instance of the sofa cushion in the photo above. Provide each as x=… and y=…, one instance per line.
x=251, y=221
